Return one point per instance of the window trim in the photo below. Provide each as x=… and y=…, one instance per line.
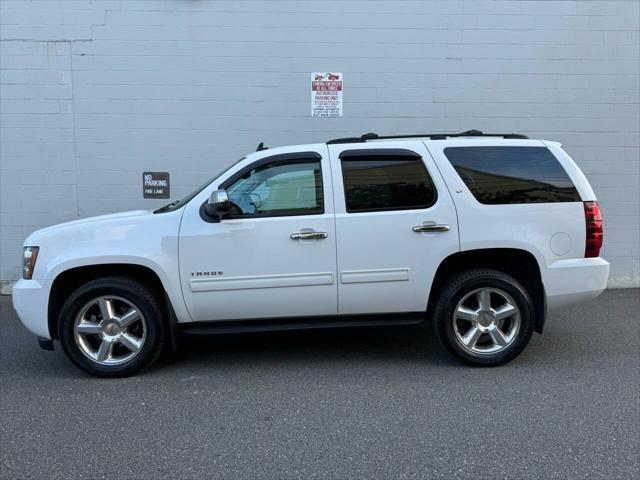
x=352, y=155
x=285, y=158
x=383, y=152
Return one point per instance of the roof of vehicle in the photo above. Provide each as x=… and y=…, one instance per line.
x=456, y=139
x=427, y=136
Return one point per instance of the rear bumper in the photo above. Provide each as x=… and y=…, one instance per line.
x=568, y=282
x=30, y=301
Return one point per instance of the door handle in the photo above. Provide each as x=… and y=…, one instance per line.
x=431, y=227
x=308, y=235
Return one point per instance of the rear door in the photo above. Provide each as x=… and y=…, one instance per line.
x=395, y=223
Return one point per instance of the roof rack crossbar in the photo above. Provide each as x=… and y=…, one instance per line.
x=431, y=136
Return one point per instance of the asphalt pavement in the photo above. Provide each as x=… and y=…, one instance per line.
x=346, y=404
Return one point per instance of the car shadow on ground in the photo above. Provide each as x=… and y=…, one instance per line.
x=379, y=344
x=349, y=348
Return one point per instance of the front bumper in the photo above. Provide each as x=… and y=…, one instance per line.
x=568, y=282
x=31, y=303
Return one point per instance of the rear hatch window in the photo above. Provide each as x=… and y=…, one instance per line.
x=506, y=175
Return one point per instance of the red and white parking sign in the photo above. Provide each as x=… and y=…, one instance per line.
x=326, y=94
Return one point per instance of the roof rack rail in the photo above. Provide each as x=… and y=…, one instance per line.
x=431, y=136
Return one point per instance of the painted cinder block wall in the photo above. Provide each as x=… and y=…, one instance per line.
x=95, y=92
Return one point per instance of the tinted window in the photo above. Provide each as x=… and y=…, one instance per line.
x=500, y=175
x=386, y=182
x=290, y=187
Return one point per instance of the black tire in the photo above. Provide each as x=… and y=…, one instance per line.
x=462, y=284
x=134, y=292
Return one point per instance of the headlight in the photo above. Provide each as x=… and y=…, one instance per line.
x=29, y=257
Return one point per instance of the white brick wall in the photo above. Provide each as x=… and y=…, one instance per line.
x=95, y=92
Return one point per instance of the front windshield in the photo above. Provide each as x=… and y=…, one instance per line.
x=176, y=204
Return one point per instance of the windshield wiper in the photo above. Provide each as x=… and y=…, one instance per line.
x=167, y=207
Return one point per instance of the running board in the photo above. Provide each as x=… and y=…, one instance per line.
x=303, y=323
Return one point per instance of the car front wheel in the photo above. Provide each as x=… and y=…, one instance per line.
x=112, y=327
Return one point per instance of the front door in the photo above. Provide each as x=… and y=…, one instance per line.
x=395, y=223
x=274, y=254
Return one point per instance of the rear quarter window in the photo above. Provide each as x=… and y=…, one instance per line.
x=507, y=175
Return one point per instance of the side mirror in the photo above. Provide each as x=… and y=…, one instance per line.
x=217, y=205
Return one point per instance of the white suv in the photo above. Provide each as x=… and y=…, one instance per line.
x=479, y=234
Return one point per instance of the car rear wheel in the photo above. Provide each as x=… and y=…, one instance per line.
x=484, y=317
x=112, y=327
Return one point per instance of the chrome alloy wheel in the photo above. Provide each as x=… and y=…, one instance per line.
x=110, y=330
x=486, y=321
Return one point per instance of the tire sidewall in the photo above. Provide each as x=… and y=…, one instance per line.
x=98, y=288
x=463, y=286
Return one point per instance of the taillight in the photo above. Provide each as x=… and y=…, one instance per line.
x=593, y=220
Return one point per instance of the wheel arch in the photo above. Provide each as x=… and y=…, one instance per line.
x=520, y=264
x=69, y=280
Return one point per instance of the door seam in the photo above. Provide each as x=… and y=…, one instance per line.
x=335, y=230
